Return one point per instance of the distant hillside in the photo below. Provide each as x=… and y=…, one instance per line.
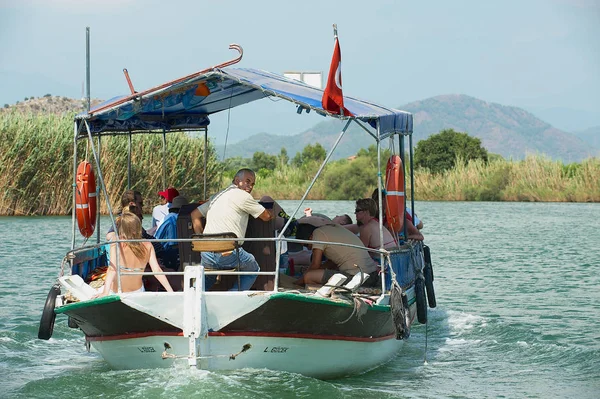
x=590, y=136
x=49, y=104
x=509, y=131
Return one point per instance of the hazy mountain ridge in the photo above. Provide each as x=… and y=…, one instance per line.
x=590, y=136
x=506, y=130
x=49, y=104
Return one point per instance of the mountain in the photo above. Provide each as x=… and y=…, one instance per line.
x=590, y=136
x=509, y=131
x=49, y=104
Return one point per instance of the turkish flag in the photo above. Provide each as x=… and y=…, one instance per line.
x=333, y=99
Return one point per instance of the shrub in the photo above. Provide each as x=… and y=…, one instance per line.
x=440, y=151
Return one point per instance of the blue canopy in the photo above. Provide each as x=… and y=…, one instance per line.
x=186, y=104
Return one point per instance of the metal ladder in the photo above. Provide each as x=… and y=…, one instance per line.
x=194, y=311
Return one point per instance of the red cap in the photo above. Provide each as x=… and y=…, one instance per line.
x=169, y=194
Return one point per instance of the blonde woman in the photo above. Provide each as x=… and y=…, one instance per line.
x=133, y=257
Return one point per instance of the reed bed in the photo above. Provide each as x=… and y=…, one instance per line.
x=36, y=172
x=36, y=166
x=535, y=179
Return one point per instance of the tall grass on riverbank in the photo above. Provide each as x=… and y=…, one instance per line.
x=36, y=165
x=536, y=178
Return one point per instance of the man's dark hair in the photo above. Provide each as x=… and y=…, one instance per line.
x=367, y=204
x=304, y=231
x=129, y=197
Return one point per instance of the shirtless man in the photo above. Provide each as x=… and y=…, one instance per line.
x=368, y=226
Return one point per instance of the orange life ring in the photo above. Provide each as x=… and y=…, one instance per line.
x=394, y=187
x=85, y=199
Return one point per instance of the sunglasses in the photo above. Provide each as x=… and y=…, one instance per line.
x=358, y=210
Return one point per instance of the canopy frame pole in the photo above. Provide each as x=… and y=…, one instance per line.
x=164, y=160
x=380, y=200
x=110, y=211
x=76, y=130
x=312, y=183
x=205, y=159
x=97, y=196
x=412, y=177
x=402, y=146
x=129, y=163
x=376, y=137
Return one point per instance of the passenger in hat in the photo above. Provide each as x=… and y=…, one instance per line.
x=161, y=211
x=168, y=230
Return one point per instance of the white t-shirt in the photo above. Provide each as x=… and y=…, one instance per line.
x=159, y=212
x=416, y=219
x=228, y=212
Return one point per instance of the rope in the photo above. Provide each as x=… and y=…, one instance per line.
x=165, y=355
x=228, y=124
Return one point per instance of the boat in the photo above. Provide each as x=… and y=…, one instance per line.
x=347, y=331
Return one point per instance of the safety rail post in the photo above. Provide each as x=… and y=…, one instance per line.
x=193, y=295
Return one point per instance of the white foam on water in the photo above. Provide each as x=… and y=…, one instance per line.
x=460, y=322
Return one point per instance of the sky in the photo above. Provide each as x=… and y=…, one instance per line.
x=541, y=55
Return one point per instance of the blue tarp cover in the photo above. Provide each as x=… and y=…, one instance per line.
x=188, y=104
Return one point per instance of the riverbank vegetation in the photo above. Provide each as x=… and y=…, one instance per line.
x=36, y=170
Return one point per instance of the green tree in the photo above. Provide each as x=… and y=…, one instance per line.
x=440, y=151
x=310, y=153
x=284, y=158
x=262, y=160
x=350, y=179
x=236, y=163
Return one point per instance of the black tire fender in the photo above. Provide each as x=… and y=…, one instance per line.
x=421, y=300
x=48, y=315
x=428, y=273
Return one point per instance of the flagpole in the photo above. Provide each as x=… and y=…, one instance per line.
x=335, y=38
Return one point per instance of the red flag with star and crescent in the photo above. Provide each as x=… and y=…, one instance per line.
x=333, y=99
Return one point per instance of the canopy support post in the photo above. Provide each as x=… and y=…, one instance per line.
x=98, y=197
x=164, y=160
x=110, y=211
x=401, y=144
x=376, y=137
x=128, y=164
x=205, y=158
x=73, y=209
x=412, y=177
x=312, y=183
x=380, y=200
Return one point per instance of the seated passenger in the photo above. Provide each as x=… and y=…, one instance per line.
x=160, y=212
x=167, y=230
x=340, y=259
x=132, y=257
x=228, y=211
x=368, y=226
x=412, y=232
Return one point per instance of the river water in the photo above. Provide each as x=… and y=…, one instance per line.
x=518, y=316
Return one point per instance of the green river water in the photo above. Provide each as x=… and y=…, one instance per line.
x=518, y=316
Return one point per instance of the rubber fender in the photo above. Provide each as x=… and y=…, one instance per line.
x=428, y=274
x=48, y=315
x=421, y=300
x=427, y=258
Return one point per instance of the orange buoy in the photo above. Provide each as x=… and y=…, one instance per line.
x=85, y=199
x=394, y=187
